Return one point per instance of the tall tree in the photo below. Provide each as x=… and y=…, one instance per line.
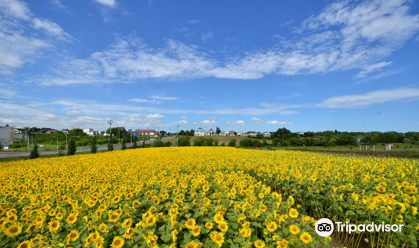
x=110, y=145
x=124, y=144
x=93, y=149
x=34, y=152
x=72, y=148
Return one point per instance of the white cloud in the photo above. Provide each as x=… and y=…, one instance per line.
x=153, y=99
x=372, y=68
x=17, y=49
x=17, y=46
x=15, y=9
x=182, y=122
x=209, y=122
x=154, y=116
x=276, y=122
x=130, y=60
x=240, y=123
x=107, y=3
x=344, y=36
x=51, y=28
x=74, y=112
x=206, y=36
x=369, y=98
x=7, y=92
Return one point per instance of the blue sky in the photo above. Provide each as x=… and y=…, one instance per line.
x=239, y=65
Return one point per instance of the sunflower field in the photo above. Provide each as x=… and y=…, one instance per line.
x=205, y=197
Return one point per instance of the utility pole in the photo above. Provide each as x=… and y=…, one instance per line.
x=28, y=137
x=66, y=142
x=177, y=134
x=110, y=130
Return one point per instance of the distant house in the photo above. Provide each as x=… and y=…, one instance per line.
x=211, y=132
x=231, y=133
x=200, y=132
x=267, y=134
x=46, y=130
x=8, y=135
x=90, y=132
x=389, y=147
x=148, y=133
x=223, y=134
x=251, y=134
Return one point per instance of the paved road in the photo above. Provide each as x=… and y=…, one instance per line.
x=80, y=149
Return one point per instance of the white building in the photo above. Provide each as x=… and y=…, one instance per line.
x=200, y=132
x=9, y=134
x=267, y=134
x=89, y=131
x=388, y=147
x=211, y=132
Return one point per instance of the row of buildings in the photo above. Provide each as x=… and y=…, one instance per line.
x=10, y=134
x=211, y=132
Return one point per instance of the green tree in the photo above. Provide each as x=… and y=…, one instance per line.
x=71, y=147
x=34, y=152
x=232, y=142
x=110, y=145
x=276, y=141
x=124, y=144
x=184, y=141
x=157, y=143
x=217, y=130
x=93, y=148
x=247, y=142
x=282, y=134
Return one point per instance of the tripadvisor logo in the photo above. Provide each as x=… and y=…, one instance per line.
x=325, y=227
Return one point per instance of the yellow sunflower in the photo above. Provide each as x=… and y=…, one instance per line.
x=245, y=232
x=71, y=219
x=293, y=213
x=190, y=224
x=73, y=236
x=53, y=226
x=294, y=229
x=117, y=242
x=306, y=238
x=259, y=243
x=196, y=231
x=271, y=226
x=217, y=238
x=13, y=230
x=223, y=226
x=25, y=244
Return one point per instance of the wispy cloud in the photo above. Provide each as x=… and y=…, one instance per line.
x=7, y=92
x=239, y=123
x=369, y=98
x=344, y=36
x=23, y=35
x=130, y=60
x=154, y=99
x=372, y=68
x=107, y=3
x=277, y=122
x=209, y=122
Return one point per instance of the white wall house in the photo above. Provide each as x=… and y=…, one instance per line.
x=200, y=132
x=211, y=132
x=89, y=131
